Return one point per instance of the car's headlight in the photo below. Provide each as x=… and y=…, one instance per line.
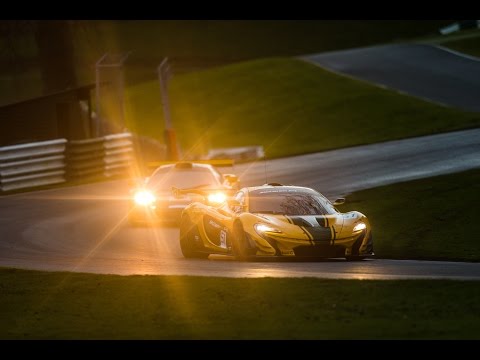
x=263, y=228
x=217, y=198
x=359, y=227
x=144, y=198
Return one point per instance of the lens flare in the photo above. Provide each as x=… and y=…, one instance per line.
x=144, y=198
x=217, y=198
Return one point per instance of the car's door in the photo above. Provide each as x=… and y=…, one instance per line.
x=217, y=223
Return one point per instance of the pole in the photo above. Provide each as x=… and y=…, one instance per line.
x=96, y=130
x=162, y=70
x=121, y=88
x=115, y=82
x=170, y=138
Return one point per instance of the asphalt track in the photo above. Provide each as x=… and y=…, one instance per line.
x=83, y=228
x=426, y=71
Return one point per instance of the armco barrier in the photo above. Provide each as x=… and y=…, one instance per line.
x=33, y=164
x=103, y=157
x=55, y=161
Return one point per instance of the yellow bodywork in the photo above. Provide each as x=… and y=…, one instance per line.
x=215, y=229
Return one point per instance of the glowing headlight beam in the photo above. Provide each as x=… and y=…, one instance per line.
x=360, y=226
x=144, y=198
x=261, y=228
x=217, y=198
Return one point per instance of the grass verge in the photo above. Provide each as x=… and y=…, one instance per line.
x=423, y=219
x=289, y=106
x=467, y=42
x=43, y=305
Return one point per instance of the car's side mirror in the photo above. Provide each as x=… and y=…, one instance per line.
x=235, y=205
x=339, y=201
x=231, y=178
x=233, y=202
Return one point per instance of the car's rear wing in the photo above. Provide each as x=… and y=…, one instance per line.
x=177, y=192
x=212, y=197
x=213, y=162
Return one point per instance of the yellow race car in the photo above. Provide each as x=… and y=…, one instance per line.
x=273, y=220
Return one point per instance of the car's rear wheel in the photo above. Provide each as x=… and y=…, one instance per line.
x=240, y=244
x=188, y=231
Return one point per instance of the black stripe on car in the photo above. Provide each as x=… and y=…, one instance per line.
x=320, y=233
x=315, y=233
x=301, y=224
x=322, y=221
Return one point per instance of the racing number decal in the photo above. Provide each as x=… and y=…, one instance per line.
x=215, y=232
x=223, y=239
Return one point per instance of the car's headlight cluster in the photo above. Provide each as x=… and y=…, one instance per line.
x=359, y=227
x=217, y=198
x=144, y=198
x=263, y=228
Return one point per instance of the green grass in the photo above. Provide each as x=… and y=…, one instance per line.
x=465, y=41
x=469, y=45
x=433, y=219
x=42, y=305
x=288, y=106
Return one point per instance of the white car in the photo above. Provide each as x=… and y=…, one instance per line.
x=153, y=200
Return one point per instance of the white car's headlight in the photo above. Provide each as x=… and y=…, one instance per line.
x=263, y=228
x=217, y=198
x=359, y=227
x=144, y=198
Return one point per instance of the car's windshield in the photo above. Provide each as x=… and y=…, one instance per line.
x=288, y=202
x=164, y=179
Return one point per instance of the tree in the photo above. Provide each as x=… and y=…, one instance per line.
x=55, y=54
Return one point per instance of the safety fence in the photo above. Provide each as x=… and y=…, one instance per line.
x=56, y=161
x=33, y=164
x=104, y=157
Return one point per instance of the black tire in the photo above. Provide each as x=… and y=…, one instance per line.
x=354, y=258
x=188, y=230
x=240, y=245
x=355, y=251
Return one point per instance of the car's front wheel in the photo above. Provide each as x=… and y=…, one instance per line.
x=240, y=244
x=188, y=231
x=355, y=251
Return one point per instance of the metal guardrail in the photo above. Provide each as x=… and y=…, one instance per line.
x=56, y=161
x=33, y=164
x=103, y=157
